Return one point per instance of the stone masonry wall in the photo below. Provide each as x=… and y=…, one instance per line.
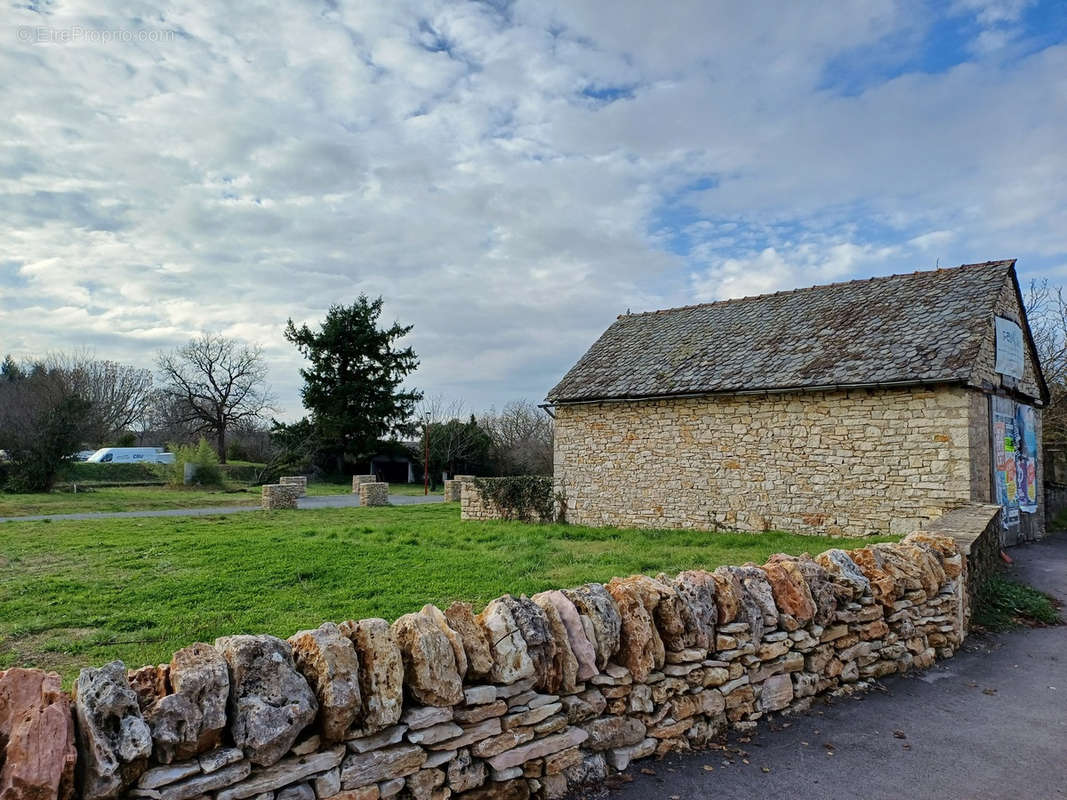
x=851, y=463
x=532, y=697
x=474, y=505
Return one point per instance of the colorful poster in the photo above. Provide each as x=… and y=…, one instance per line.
x=1026, y=457
x=1014, y=458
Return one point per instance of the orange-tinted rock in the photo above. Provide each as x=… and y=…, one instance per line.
x=429, y=661
x=564, y=674
x=328, y=660
x=37, y=752
x=149, y=683
x=475, y=643
x=697, y=589
x=639, y=644
x=848, y=578
x=727, y=595
x=871, y=564
x=791, y=593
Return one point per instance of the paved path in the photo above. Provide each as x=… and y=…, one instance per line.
x=318, y=501
x=987, y=724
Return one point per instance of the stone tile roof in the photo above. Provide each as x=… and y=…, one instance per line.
x=919, y=327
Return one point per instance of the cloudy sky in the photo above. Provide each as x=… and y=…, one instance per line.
x=510, y=176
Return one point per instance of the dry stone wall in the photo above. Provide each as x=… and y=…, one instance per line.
x=299, y=481
x=532, y=697
x=374, y=494
x=841, y=463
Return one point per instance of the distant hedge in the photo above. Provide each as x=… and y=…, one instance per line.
x=84, y=472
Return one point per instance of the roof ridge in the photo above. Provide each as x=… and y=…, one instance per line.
x=800, y=289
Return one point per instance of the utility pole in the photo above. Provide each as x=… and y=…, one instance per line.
x=426, y=455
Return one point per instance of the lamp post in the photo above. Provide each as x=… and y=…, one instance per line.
x=426, y=455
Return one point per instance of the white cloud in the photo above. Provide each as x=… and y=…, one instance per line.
x=263, y=166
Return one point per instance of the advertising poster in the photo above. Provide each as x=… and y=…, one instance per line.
x=1014, y=459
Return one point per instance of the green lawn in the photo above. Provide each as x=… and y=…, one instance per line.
x=82, y=593
x=123, y=498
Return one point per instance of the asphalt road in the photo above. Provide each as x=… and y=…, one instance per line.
x=989, y=723
x=320, y=501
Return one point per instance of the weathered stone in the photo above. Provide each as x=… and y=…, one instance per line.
x=270, y=702
x=327, y=784
x=435, y=733
x=882, y=580
x=168, y=773
x=458, y=650
x=479, y=695
x=192, y=719
x=756, y=585
x=822, y=588
x=282, y=773
x=595, y=603
x=697, y=590
x=424, y=716
x=381, y=674
x=37, y=754
x=391, y=762
x=776, y=692
x=430, y=672
x=606, y=733
x=470, y=735
x=464, y=773
x=511, y=661
x=327, y=659
x=501, y=742
x=845, y=572
x=114, y=741
x=149, y=683
x=538, y=749
x=581, y=647
x=588, y=704
x=931, y=569
x=564, y=673
x=789, y=589
x=299, y=791
x=517, y=789
x=475, y=643
x=540, y=642
x=466, y=716
x=640, y=647
x=728, y=593
x=364, y=744
x=217, y=759
x=200, y=785
x=420, y=785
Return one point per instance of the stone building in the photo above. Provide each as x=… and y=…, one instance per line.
x=854, y=408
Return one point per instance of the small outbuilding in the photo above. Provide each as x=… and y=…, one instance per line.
x=855, y=408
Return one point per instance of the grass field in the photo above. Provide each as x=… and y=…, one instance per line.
x=123, y=498
x=82, y=593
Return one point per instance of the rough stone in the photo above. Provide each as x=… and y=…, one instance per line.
x=464, y=773
x=114, y=741
x=327, y=659
x=418, y=717
x=727, y=595
x=475, y=643
x=756, y=585
x=607, y=733
x=640, y=647
x=391, y=762
x=541, y=645
x=697, y=589
x=149, y=683
x=200, y=785
x=882, y=580
x=430, y=672
x=217, y=759
x=270, y=702
x=776, y=692
x=299, y=791
x=791, y=593
x=511, y=661
x=564, y=674
x=509, y=790
x=327, y=784
x=538, y=749
x=822, y=589
x=192, y=719
x=595, y=604
x=364, y=744
x=845, y=572
x=581, y=646
x=459, y=652
x=37, y=753
x=282, y=773
x=381, y=674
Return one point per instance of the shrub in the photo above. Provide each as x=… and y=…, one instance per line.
x=205, y=463
x=525, y=497
x=1002, y=604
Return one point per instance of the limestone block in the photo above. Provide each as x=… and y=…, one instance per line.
x=374, y=494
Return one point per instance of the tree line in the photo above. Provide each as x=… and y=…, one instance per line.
x=216, y=387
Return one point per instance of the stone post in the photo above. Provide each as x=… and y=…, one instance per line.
x=358, y=480
x=300, y=481
x=374, y=494
x=277, y=495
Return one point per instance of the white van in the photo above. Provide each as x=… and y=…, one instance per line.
x=131, y=455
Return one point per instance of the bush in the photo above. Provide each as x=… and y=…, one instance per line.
x=524, y=497
x=206, y=470
x=138, y=472
x=1003, y=604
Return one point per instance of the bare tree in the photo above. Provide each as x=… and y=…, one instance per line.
x=454, y=442
x=1046, y=310
x=119, y=393
x=522, y=439
x=216, y=383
